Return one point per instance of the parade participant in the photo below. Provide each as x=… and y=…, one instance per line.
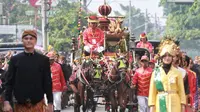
x=141, y=79
x=2, y=87
x=144, y=43
x=67, y=71
x=58, y=81
x=178, y=63
x=56, y=56
x=166, y=92
x=196, y=69
x=28, y=79
x=93, y=37
x=192, y=83
x=195, y=59
x=66, y=68
x=7, y=59
x=152, y=63
x=191, y=66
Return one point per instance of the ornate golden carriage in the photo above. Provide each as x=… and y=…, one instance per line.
x=116, y=37
x=115, y=56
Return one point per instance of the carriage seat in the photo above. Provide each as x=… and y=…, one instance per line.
x=113, y=38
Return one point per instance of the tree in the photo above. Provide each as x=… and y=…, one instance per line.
x=16, y=11
x=183, y=19
x=64, y=25
x=138, y=20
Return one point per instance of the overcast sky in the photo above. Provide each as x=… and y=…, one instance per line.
x=150, y=5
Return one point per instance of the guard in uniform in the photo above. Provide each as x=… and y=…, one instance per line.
x=144, y=43
x=141, y=79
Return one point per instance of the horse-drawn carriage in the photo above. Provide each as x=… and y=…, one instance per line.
x=108, y=74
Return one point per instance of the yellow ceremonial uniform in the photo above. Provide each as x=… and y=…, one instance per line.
x=173, y=89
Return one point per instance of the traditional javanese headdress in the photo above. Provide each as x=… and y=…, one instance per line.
x=29, y=32
x=167, y=46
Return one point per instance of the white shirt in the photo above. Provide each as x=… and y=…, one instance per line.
x=183, y=71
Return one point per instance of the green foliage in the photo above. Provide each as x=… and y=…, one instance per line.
x=64, y=25
x=183, y=19
x=16, y=11
x=61, y=44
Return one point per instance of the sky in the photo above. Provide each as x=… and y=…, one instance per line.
x=151, y=6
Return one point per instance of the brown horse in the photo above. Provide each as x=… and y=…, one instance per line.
x=125, y=95
x=85, y=94
x=115, y=83
x=91, y=83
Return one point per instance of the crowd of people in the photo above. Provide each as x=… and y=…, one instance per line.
x=168, y=83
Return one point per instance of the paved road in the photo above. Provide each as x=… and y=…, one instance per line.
x=99, y=108
x=70, y=109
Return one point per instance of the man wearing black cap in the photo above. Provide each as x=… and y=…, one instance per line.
x=28, y=79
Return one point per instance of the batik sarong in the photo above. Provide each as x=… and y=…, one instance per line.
x=39, y=107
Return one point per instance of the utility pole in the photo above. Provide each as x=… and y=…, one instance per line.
x=130, y=18
x=44, y=23
x=16, y=32
x=155, y=26
x=85, y=5
x=146, y=21
x=1, y=12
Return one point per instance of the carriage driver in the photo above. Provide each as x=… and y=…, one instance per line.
x=144, y=43
x=93, y=37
